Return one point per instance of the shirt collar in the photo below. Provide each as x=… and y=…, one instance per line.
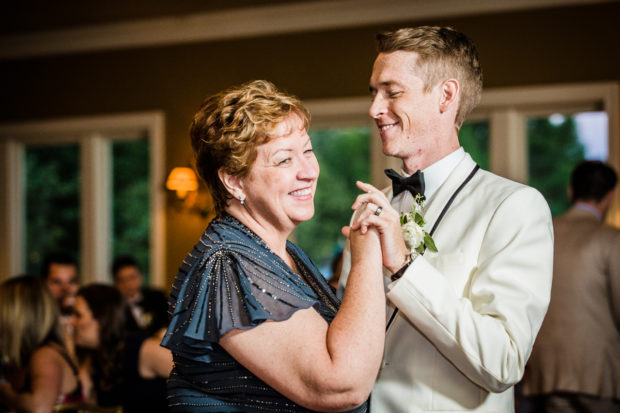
x=589, y=208
x=437, y=173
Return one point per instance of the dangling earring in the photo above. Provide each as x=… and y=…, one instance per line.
x=242, y=199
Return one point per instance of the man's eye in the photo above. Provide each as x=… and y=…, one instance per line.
x=394, y=94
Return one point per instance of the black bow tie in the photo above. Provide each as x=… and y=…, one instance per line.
x=413, y=183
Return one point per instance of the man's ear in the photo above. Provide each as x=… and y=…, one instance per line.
x=449, y=90
x=607, y=200
x=232, y=183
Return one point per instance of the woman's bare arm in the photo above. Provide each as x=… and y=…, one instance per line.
x=46, y=375
x=154, y=360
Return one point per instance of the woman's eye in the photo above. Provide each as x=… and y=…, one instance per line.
x=283, y=161
x=307, y=151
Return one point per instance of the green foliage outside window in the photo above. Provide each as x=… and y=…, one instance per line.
x=553, y=150
x=131, y=220
x=474, y=138
x=344, y=157
x=52, y=203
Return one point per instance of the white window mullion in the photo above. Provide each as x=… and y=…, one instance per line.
x=12, y=209
x=508, y=145
x=156, y=127
x=96, y=203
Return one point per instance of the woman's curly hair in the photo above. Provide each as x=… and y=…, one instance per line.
x=231, y=124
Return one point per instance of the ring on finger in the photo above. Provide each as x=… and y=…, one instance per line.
x=378, y=210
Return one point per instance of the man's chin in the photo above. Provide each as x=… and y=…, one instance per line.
x=389, y=151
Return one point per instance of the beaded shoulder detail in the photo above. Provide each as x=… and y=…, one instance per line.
x=232, y=280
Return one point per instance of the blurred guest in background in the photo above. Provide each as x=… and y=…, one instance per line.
x=60, y=272
x=120, y=368
x=149, y=307
x=575, y=364
x=38, y=370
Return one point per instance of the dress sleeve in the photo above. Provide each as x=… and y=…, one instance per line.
x=229, y=291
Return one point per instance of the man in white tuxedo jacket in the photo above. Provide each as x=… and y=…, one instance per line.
x=463, y=320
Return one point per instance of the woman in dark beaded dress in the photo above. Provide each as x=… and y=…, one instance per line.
x=255, y=327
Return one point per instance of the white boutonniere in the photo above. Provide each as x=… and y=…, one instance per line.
x=412, y=225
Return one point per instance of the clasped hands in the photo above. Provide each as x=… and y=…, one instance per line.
x=374, y=211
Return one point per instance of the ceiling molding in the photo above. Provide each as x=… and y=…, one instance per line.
x=252, y=22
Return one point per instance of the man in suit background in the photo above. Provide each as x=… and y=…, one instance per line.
x=149, y=307
x=575, y=365
x=60, y=272
x=463, y=319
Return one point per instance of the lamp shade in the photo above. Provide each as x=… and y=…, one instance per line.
x=182, y=180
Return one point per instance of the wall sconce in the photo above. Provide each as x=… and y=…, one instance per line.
x=183, y=181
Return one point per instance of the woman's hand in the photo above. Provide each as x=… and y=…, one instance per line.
x=387, y=222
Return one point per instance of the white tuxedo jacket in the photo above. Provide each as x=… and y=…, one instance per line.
x=468, y=314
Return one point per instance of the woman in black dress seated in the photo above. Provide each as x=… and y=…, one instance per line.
x=255, y=327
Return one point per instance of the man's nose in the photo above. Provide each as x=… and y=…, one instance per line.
x=377, y=107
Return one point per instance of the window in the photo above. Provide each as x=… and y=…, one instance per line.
x=537, y=134
x=556, y=144
x=344, y=157
x=85, y=209
x=130, y=201
x=52, y=202
x=474, y=138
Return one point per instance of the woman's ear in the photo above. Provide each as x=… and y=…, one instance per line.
x=449, y=90
x=232, y=183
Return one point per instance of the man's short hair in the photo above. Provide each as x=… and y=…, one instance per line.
x=123, y=261
x=444, y=53
x=592, y=181
x=56, y=257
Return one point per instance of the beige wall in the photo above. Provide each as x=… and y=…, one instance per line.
x=566, y=45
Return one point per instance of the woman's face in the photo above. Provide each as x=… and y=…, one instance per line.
x=281, y=184
x=86, y=327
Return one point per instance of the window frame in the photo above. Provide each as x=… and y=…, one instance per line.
x=94, y=136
